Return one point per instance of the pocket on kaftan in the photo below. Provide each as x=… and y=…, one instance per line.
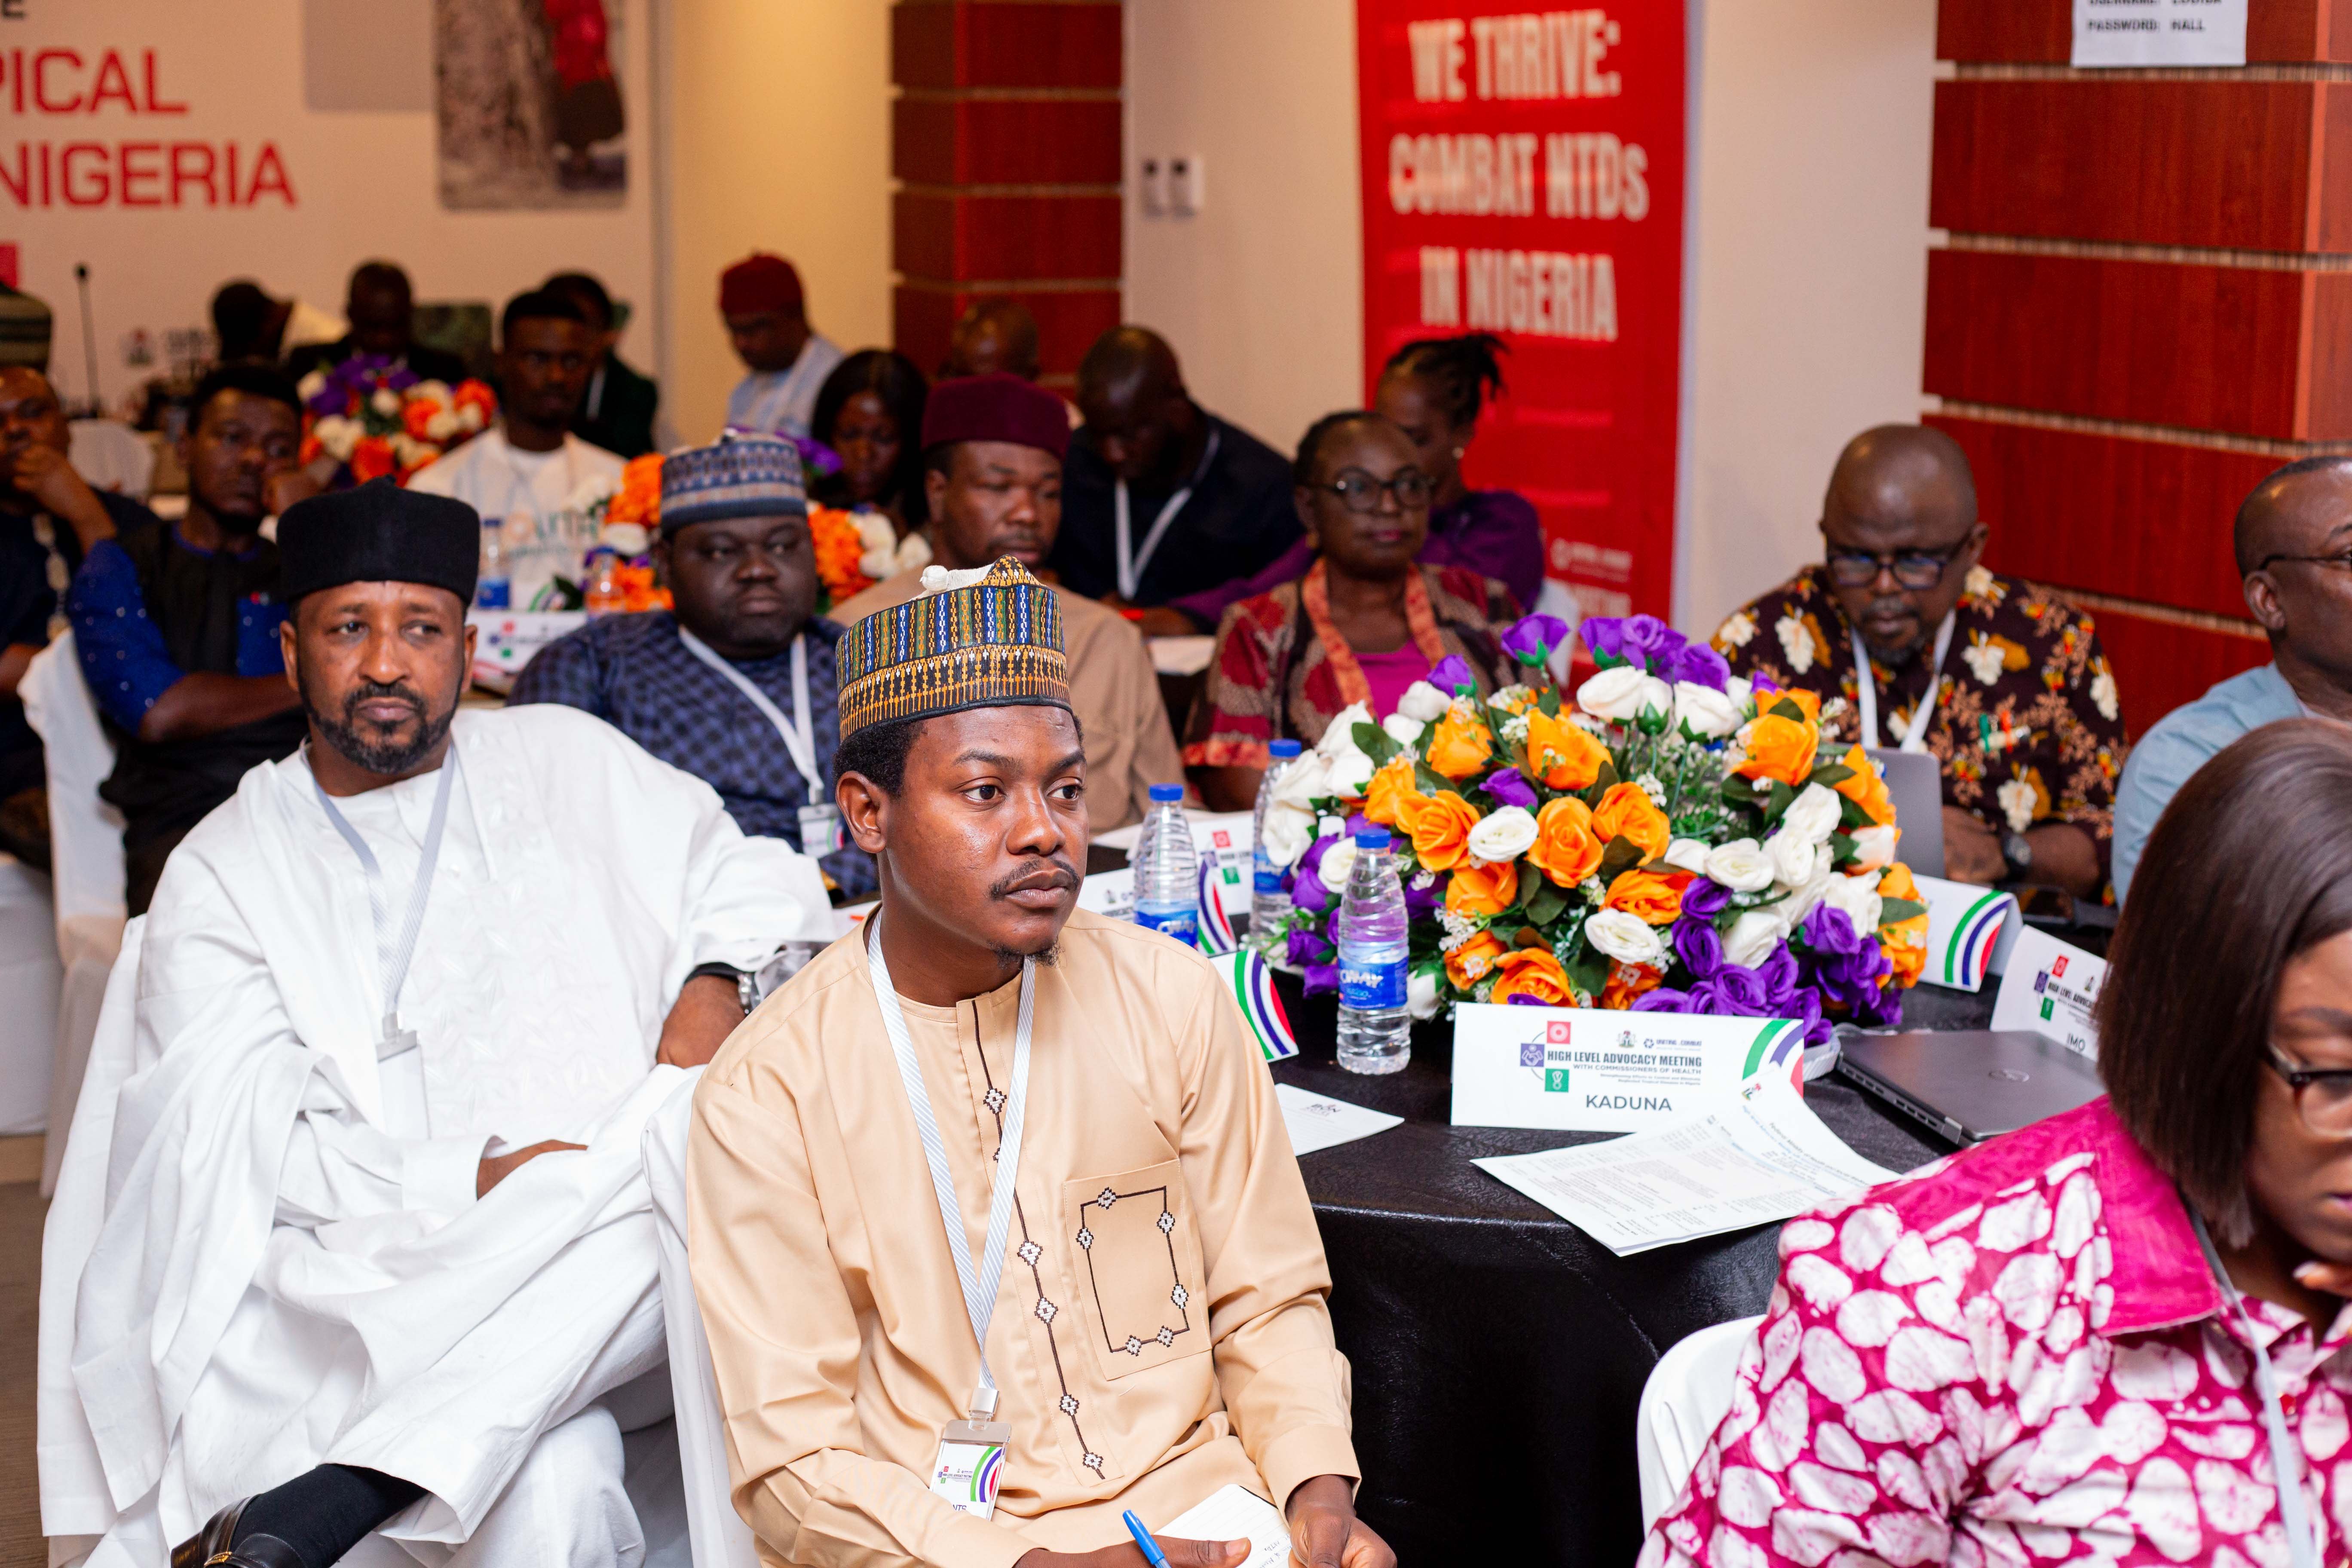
x=1137, y=1267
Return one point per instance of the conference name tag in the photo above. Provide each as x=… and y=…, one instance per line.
x=970, y=1465
x=2052, y=989
x=1575, y=1070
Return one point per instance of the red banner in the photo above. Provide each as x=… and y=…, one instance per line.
x=1523, y=174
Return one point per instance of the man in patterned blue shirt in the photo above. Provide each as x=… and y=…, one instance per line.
x=737, y=686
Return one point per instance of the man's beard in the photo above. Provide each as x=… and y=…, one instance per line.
x=1008, y=959
x=1064, y=875
x=387, y=757
x=1899, y=654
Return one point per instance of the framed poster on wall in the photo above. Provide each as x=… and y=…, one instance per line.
x=1524, y=175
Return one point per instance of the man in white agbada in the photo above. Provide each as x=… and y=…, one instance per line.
x=375, y=1250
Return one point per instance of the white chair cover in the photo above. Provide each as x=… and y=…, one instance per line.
x=1685, y=1399
x=30, y=978
x=721, y=1539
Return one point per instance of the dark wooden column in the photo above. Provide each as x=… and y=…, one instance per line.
x=2144, y=305
x=1005, y=141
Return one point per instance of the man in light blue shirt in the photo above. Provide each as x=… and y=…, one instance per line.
x=2293, y=544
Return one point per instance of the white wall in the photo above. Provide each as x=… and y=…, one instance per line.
x=1810, y=293
x=1261, y=293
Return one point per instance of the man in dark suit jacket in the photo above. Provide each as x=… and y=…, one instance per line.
x=618, y=412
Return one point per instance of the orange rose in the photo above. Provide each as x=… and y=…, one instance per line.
x=1563, y=755
x=1390, y=790
x=478, y=395
x=1479, y=888
x=1905, y=943
x=639, y=499
x=1808, y=702
x=1533, y=973
x=1439, y=828
x=1627, y=812
x=1780, y=749
x=1648, y=895
x=1565, y=848
x=372, y=458
x=1866, y=789
x=1468, y=964
x=1896, y=882
x=1460, y=746
x=417, y=417
x=1909, y=958
x=1628, y=983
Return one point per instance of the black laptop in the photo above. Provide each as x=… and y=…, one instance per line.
x=1970, y=1085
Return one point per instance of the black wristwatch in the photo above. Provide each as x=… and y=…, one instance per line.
x=746, y=989
x=2016, y=850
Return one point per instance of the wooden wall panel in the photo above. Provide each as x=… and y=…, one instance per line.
x=2042, y=31
x=995, y=141
x=2225, y=164
x=2129, y=519
x=2160, y=664
x=941, y=236
x=2201, y=347
x=1000, y=45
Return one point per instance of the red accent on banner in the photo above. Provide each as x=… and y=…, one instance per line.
x=1522, y=173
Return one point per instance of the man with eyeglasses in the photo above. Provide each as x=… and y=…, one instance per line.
x=2294, y=545
x=1912, y=644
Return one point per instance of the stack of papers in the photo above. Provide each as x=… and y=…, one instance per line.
x=1763, y=1159
x=1316, y=1121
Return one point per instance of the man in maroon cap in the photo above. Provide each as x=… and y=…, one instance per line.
x=767, y=318
x=993, y=448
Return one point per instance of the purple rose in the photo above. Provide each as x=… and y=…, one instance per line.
x=1604, y=637
x=1322, y=977
x=1451, y=675
x=1664, y=1000
x=1521, y=997
x=1420, y=903
x=1830, y=932
x=1779, y=973
x=1358, y=822
x=1698, y=664
x=1511, y=787
x=1820, y=1031
x=1306, y=948
x=1743, y=990
x=400, y=378
x=816, y=457
x=1697, y=946
x=1307, y=891
x=1531, y=640
x=1763, y=683
x=1703, y=900
x=1881, y=1008
x=1652, y=642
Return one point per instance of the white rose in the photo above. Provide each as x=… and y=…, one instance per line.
x=1341, y=735
x=1741, y=865
x=440, y=426
x=629, y=538
x=1338, y=862
x=1352, y=773
x=878, y=564
x=339, y=436
x=1876, y=844
x=1799, y=903
x=875, y=530
x=1424, y=702
x=1628, y=939
x=1686, y=854
x=1740, y=692
x=386, y=402
x=1503, y=836
x=1813, y=815
x=1421, y=994
x=1621, y=693
x=1286, y=834
x=471, y=416
x=311, y=385
x=1858, y=897
x=1792, y=858
x=1331, y=827
x=1404, y=731
x=1705, y=713
x=1753, y=936
x=1306, y=777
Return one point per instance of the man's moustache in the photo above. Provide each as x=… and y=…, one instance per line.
x=1061, y=874
x=381, y=694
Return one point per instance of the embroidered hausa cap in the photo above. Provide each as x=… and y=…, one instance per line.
x=991, y=638
x=739, y=475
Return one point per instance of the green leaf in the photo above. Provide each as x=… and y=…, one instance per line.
x=1622, y=855
x=1428, y=781
x=1851, y=815
x=1891, y=910
x=1550, y=701
x=1787, y=709
x=1375, y=742
x=1843, y=852
x=1782, y=797
x=1546, y=902
x=1827, y=774
x=1587, y=971
x=1740, y=790
x=1605, y=780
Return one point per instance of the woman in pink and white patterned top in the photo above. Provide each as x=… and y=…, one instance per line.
x=2021, y=1355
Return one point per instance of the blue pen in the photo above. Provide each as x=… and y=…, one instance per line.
x=1143, y=1542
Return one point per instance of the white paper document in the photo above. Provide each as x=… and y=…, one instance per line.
x=2050, y=989
x=1315, y=1121
x=1763, y=1158
x=2159, y=33
x=1233, y=1513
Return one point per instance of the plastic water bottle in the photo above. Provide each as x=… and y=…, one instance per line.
x=1268, y=902
x=1167, y=891
x=602, y=593
x=494, y=588
x=1375, y=1032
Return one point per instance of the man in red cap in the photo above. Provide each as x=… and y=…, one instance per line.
x=767, y=319
x=993, y=448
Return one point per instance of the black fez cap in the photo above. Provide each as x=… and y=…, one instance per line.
x=378, y=533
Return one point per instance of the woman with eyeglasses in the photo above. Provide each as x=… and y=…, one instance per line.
x=2119, y=1335
x=1365, y=623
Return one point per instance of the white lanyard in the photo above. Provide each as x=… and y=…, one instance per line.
x=1865, y=689
x=979, y=1287
x=798, y=735
x=1130, y=564
x=2286, y=1458
x=395, y=1040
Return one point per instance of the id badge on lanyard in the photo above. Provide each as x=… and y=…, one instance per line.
x=970, y=1465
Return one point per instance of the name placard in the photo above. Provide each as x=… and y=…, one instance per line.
x=1573, y=1070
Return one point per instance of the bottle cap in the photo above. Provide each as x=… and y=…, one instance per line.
x=1167, y=791
x=1284, y=748
x=1372, y=838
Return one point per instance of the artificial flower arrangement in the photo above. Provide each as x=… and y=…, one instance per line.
x=835, y=535
x=1669, y=840
x=377, y=417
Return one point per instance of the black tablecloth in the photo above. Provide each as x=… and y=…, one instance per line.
x=1499, y=1351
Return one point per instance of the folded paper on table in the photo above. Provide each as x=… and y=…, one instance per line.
x=1233, y=1513
x=505, y=641
x=2050, y=989
x=1314, y=1122
x=1109, y=893
x=1573, y=1070
x=1252, y=983
x=1764, y=1157
x=1969, y=930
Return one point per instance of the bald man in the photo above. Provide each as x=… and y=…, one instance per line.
x=1159, y=498
x=993, y=336
x=2022, y=716
x=2293, y=544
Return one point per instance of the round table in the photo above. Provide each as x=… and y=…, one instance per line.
x=1499, y=1351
